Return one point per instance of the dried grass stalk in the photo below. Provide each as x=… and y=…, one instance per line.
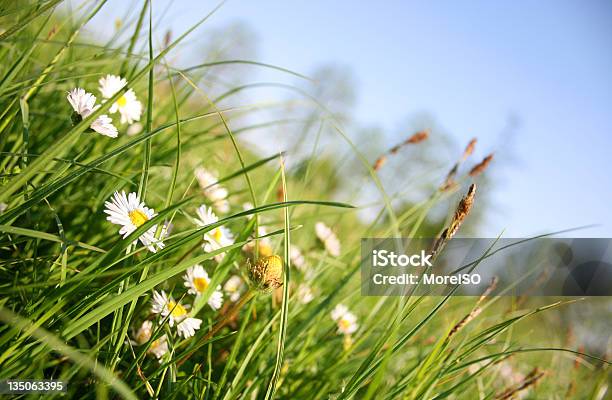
x=414, y=139
x=531, y=379
x=461, y=212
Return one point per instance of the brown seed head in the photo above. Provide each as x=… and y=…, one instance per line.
x=462, y=210
x=469, y=149
x=267, y=273
x=479, y=168
x=417, y=137
x=449, y=181
x=531, y=379
x=380, y=161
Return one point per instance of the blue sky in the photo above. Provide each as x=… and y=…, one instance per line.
x=471, y=65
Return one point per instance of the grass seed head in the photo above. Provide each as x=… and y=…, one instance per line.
x=461, y=212
x=380, y=161
x=417, y=137
x=480, y=167
x=469, y=149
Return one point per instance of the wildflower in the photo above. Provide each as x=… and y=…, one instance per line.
x=3, y=207
x=176, y=313
x=304, y=294
x=129, y=212
x=234, y=288
x=143, y=334
x=328, y=238
x=347, y=321
x=297, y=258
x=158, y=347
x=216, y=193
x=134, y=129
x=84, y=104
x=267, y=273
x=128, y=106
x=216, y=238
x=197, y=281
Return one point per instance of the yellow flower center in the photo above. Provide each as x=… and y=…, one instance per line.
x=200, y=284
x=138, y=217
x=344, y=324
x=143, y=336
x=121, y=101
x=177, y=310
x=217, y=234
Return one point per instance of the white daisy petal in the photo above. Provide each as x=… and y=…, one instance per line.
x=128, y=105
x=338, y=311
x=346, y=321
x=84, y=104
x=234, y=288
x=130, y=213
x=196, y=279
x=159, y=347
x=216, y=238
x=216, y=193
x=304, y=294
x=328, y=238
x=188, y=326
x=104, y=126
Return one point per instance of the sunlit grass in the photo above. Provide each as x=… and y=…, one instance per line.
x=75, y=292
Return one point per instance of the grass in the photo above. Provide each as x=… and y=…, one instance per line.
x=74, y=293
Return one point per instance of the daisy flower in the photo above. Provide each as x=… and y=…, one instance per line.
x=216, y=238
x=158, y=347
x=328, y=238
x=134, y=129
x=176, y=313
x=304, y=294
x=297, y=258
x=216, y=193
x=197, y=281
x=129, y=212
x=84, y=104
x=234, y=288
x=128, y=105
x=346, y=321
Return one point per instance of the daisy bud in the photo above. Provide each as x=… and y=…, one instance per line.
x=267, y=273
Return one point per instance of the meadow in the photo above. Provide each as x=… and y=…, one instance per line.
x=147, y=250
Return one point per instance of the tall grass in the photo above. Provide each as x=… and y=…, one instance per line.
x=74, y=293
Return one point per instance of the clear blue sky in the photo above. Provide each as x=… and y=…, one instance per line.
x=471, y=64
